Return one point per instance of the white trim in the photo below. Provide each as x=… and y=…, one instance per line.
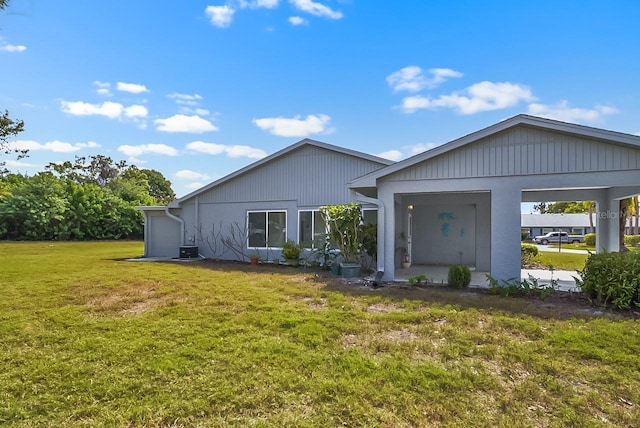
x=313, y=225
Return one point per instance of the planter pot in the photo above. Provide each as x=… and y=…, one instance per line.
x=406, y=265
x=254, y=260
x=293, y=262
x=350, y=270
x=275, y=262
x=335, y=269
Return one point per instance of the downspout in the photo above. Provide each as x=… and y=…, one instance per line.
x=179, y=220
x=359, y=197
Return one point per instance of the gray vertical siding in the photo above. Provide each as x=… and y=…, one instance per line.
x=521, y=151
x=309, y=175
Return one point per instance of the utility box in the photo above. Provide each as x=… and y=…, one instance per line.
x=189, y=252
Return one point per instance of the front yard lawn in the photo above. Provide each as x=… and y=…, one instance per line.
x=88, y=339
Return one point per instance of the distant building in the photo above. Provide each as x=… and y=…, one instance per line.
x=539, y=224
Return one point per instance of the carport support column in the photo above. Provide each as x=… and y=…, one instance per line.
x=607, y=225
x=505, y=233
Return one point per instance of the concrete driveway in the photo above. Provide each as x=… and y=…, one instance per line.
x=549, y=248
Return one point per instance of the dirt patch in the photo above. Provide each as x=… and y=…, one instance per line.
x=385, y=308
x=134, y=302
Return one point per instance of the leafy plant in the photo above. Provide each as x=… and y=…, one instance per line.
x=612, y=278
x=416, y=280
x=590, y=239
x=528, y=254
x=343, y=222
x=459, y=276
x=520, y=287
x=291, y=250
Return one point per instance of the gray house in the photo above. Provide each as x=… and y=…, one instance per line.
x=262, y=205
x=457, y=203
x=539, y=224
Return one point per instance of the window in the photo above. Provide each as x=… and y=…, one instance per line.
x=266, y=229
x=370, y=216
x=312, y=228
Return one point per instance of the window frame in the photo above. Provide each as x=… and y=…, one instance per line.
x=313, y=212
x=266, y=237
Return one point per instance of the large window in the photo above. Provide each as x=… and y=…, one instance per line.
x=266, y=229
x=312, y=229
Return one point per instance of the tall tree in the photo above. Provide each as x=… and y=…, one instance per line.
x=159, y=187
x=9, y=128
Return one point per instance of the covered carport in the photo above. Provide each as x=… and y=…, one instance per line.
x=475, y=185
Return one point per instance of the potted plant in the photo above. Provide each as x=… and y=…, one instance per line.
x=254, y=257
x=291, y=252
x=404, y=258
x=343, y=224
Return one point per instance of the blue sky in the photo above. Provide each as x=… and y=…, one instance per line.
x=198, y=89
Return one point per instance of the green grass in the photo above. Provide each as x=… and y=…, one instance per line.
x=561, y=261
x=87, y=339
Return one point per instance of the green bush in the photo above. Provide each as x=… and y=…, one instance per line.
x=612, y=278
x=590, y=239
x=290, y=250
x=459, y=276
x=524, y=234
x=632, y=240
x=528, y=253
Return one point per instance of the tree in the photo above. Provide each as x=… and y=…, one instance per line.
x=3, y=4
x=9, y=128
x=159, y=187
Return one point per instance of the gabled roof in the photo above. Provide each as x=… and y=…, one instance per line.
x=278, y=154
x=619, y=138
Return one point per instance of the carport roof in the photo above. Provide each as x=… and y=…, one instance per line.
x=619, y=138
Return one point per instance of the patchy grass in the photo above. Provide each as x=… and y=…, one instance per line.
x=87, y=339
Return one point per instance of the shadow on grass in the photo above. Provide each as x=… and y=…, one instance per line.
x=558, y=305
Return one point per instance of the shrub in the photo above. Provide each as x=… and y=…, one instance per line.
x=459, y=276
x=612, y=278
x=590, y=239
x=524, y=234
x=528, y=253
x=632, y=240
x=291, y=250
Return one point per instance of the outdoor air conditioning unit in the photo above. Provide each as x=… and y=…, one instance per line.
x=189, y=252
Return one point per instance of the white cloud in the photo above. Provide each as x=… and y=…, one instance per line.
x=6, y=47
x=194, y=185
x=562, y=111
x=244, y=151
x=156, y=149
x=220, y=16
x=187, y=174
x=132, y=88
x=136, y=111
x=412, y=78
x=296, y=21
x=479, y=97
x=103, y=88
x=182, y=123
x=208, y=148
x=315, y=8
x=267, y=4
x=55, y=146
x=78, y=108
x=394, y=155
x=296, y=127
x=231, y=151
x=421, y=147
x=19, y=164
x=185, y=98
